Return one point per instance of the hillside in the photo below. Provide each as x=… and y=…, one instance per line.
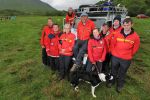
x=25, y=6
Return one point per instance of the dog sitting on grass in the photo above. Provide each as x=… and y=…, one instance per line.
x=94, y=78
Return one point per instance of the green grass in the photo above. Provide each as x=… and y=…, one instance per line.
x=23, y=77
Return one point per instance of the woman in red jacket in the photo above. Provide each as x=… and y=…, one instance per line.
x=70, y=16
x=66, y=44
x=97, y=49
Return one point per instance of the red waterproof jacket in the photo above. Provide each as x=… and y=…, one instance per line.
x=52, y=48
x=66, y=44
x=84, y=31
x=113, y=32
x=97, y=50
x=70, y=19
x=45, y=32
x=125, y=47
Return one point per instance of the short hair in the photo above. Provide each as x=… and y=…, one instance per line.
x=49, y=18
x=95, y=29
x=55, y=25
x=127, y=20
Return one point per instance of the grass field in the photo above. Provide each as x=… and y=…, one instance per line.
x=23, y=77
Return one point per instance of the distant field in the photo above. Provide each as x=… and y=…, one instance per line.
x=23, y=77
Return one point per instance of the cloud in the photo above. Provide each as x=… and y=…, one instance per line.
x=64, y=4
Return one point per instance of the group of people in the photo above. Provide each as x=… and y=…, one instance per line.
x=111, y=49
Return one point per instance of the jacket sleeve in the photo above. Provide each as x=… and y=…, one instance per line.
x=90, y=52
x=67, y=19
x=59, y=45
x=113, y=41
x=104, y=51
x=93, y=25
x=42, y=37
x=136, y=45
x=47, y=44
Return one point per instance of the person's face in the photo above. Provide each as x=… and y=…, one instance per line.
x=127, y=26
x=55, y=28
x=105, y=28
x=70, y=11
x=84, y=19
x=116, y=23
x=95, y=33
x=67, y=29
x=50, y=22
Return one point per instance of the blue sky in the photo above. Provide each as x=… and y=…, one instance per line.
x=64, y=4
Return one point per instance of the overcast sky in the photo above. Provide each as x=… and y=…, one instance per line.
x=64, y=4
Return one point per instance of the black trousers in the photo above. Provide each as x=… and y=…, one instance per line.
x=106, y=64
x=65, y=61
x=45, y=59
x=119, y=69
x=54, y=63
x=90, y=65
x=79, y=50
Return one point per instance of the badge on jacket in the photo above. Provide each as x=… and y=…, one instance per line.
x=101, y=42
x=52, y=43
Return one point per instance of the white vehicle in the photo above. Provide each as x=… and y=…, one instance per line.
x=100, y=13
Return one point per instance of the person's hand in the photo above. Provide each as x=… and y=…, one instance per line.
x=94, y=63
x=47, y=50
x=85, y=55
x=62, y=50
x=43, y=46
x=100, y=61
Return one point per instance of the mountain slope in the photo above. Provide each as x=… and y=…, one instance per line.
x=26, y=6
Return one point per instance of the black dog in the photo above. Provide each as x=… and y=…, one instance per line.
x=91, y=77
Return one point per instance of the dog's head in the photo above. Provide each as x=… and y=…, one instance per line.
x=105, y=77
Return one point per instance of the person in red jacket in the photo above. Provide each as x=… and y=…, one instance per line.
x=84, y=30
x=45, y=32
x=97, y=49
x=105, y=33
x=125, y=45
x=66, y=44
x=52, y=47
x=116, y=28
x=70, y=16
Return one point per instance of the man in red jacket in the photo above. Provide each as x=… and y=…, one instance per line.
x=116, y=28
x=97, y=49
x=52, y=47
x=66, y=44
x=84, y=30
x=45, y=32
x=125, y=44
x=70, y=16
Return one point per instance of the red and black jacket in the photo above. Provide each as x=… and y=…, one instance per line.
x=70, y=18
x=125, y=46
x=66, y=43
x=113, y=32
x=84, y=31
x=45, y=32
x=97, y=50
x=52, y=48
